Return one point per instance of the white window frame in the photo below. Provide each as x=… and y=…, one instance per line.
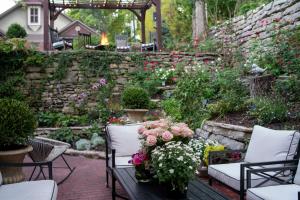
x=38, y=15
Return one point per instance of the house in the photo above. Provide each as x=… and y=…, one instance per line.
x=30, y=15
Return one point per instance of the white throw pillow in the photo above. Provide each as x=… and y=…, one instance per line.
x=271, y=145
x=124, y=139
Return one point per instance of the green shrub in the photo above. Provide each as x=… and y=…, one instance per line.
x=17, y=123
x=52, y=119
x=16, y=31
x=135, y=98
x=64, y=134
x=267, y=111
x=172, y=108
x=288, y=89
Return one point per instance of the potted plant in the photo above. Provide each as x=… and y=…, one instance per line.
x=136, y=102
x=17, y=124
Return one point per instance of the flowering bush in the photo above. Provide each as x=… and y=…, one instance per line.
x=175, y=163
x=142, y=165
x=165, y=74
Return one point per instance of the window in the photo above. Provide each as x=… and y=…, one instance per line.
x=34, y=16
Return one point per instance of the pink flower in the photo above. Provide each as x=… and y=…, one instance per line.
x=141, y=130
x=167, y=136
x=147, y=133
x=157, y=131
x=138, y=158
x=151, y=140
x=186, y=132
x=182, y=125
x=176, y=130
x=154, y=124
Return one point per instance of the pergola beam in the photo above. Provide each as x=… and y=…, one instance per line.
x=57, y=6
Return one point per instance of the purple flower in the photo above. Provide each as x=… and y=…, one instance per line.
x=102, y=81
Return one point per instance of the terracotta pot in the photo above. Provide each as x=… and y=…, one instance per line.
x=13, y=174
x=136, y=115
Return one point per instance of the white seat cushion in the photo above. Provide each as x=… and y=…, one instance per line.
x=124, y=139
x=229, y=174
x=121, y=162
x=58, y=44
x=31, y=190
x=278, y=192
x=271, y=145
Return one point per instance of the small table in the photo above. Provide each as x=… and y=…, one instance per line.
x=197, y=190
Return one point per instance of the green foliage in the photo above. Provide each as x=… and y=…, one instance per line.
x=52, y=119
x=288, y=89
x=209, y=45
x=16, y=31
x=64, y=134
x=281, y=55
x=250, y=5
x=191, y=90
x=64, y=62
x=17, y=124
x=266, y=111
x=135, y=98
x=172, y=108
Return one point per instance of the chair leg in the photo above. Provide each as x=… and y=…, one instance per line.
x=107, y=179
x=210, y=181
x=113, y=191
x=71, y=170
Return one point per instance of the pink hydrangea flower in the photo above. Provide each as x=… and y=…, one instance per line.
x=151, y=140
x=141, y=130
x=176, y=130
x=167, y=136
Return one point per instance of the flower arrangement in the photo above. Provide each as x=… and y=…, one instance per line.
x=169, y=154
x=175, y=163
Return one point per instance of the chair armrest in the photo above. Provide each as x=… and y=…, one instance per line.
x=263, y=173
x=260, y=164
x=32, y=164
x=225, y=156
x=53, y=142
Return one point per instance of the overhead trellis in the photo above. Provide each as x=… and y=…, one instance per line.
x=138, y=7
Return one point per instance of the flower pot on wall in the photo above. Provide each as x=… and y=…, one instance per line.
x=136, y=115
x=13, y=174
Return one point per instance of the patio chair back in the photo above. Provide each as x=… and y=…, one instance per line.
x=272, y=145
x=54, y=35
x=121, y=41
x=123, y=138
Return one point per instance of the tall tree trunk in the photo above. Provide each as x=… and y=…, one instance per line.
x=199, y=22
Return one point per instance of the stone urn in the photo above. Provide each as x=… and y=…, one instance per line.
x=13, y=174
x=136, y=115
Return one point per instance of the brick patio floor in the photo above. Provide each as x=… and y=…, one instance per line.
x=88, y=181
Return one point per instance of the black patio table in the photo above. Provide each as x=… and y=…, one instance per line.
x=151, y=191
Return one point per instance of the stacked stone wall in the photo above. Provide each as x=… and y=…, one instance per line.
x=260, y=23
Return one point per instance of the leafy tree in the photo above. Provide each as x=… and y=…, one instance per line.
x=16, y=31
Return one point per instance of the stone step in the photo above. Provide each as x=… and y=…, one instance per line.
x=168, y=87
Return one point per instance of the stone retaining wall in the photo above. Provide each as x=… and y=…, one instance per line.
x=59, y=95
x=232, y=136
x=259, y=23
x=45, y=132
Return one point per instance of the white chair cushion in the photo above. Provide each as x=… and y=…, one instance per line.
x=31, y=190
x=278, y=192
x=58, y=44
x=271, y=145
x=124, y=139
x=229, y=174
x=56, y=152
x=121, y=162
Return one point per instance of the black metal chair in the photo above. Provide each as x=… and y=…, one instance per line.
x=48, y=150
x=60, y=43
x=285, y=188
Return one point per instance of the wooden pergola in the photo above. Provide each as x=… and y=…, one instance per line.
x=52, y=8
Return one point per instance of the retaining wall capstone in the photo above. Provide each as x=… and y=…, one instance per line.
x=231, y=136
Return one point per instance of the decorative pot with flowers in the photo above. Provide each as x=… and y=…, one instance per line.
x=168, y=150
x=141, y=163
